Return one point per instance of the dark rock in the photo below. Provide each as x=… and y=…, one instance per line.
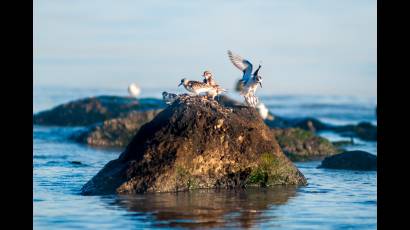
x=116, y=132
x=92, y=110
x=353, y=160
x=364, y=130
x=306, y=123
x=302, y=145
x=193, y=144
x=342, y=143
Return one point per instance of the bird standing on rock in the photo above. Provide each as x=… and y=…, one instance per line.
x=198, y=87
x=209, y=80
x=169, y=98
x=249, y=81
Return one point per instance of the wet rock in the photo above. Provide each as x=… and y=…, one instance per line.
x=116, y=132
x=352, y=160
x=302, y=145
x=193, y=144
x=92, y=110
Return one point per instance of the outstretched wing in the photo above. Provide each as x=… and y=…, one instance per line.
x=244, y=65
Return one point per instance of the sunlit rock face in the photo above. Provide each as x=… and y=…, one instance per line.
x=197, y=143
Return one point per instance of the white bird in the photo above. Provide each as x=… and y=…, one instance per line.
x=134, y=90
x=249, y=81
x=263, y=111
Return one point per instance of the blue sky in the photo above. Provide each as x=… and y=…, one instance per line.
x=306, y=47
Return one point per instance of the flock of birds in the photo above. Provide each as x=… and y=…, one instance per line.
x=248, y=85
x=211, y=89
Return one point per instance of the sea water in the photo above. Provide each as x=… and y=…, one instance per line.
x=333, y=199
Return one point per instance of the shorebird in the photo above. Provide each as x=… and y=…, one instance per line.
x=134, y=90
x=249, y=81
x=263, y=110
x=169, y=98
x=198, y=87
x=209, y=80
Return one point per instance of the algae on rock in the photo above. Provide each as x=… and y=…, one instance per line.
x=197, y=144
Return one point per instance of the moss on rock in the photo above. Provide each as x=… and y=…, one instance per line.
x=302, y=145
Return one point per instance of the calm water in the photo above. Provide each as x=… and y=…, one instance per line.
x=334, y=199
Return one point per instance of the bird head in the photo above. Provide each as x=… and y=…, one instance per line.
x=164, y=94
x=207, y=74
x=183, y=81
x=258, y=78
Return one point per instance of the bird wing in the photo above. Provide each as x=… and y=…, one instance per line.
x=244, y=65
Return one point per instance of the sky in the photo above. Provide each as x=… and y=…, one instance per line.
x=305, y=47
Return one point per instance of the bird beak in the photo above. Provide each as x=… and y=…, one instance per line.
x=180, y=84
x=260, y=83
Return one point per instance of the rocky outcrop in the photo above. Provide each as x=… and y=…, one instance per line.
x=193, y=144
x=302, y=145
x=92, y=110
x=116, y=132
x=364, y=130
x=352, y=160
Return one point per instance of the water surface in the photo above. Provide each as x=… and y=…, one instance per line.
x=333, y=199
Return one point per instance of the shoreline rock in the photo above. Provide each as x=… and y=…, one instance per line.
x=302, y=145
x=116, y=132
x=351, y=160
x=92, y=110
x=197, y=144
x=363, y=130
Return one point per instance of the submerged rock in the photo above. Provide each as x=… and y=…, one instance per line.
x=116, y=132
x=353, y=160
x=92, y=110
x=302, y=145
x=193, y=144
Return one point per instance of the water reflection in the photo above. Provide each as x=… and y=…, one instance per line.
x=209, y=208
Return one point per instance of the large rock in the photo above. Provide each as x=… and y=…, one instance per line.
x=116, y=132
x=196, y=143
x=302, y=145
x=353, y=160
x=92, y=110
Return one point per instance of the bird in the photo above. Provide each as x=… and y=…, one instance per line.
x=134, y=90
x=198, y=87
x=249, y=81
x=263, y=111
x=209, y=80
x=169, y=98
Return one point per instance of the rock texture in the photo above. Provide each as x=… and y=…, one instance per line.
x=302, y=145
x=196, y=143
x=116, y=132
x=353, y=160
x=92, y=110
